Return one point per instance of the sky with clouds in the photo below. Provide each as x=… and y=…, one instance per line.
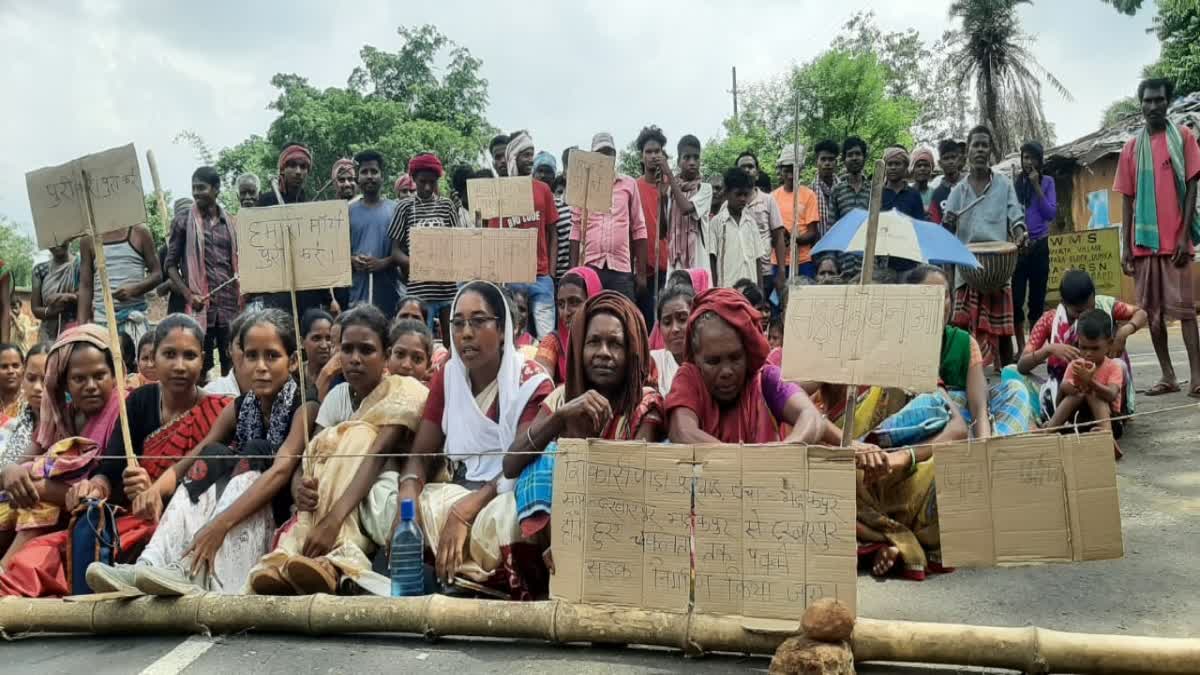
x=84, y=75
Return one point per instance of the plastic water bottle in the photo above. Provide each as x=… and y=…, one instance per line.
x=407, y=566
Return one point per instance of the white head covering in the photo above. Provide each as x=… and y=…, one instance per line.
x=471, y=431
x=516, y=145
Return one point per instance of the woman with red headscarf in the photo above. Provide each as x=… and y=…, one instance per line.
x=574, y=289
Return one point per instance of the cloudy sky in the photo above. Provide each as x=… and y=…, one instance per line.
x=84, y=75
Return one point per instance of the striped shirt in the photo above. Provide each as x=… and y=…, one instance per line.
x=435, y=212
x=563, y=226
x=845, y=200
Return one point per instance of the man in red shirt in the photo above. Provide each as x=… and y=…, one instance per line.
x=651, y=143
x=519, y=162
x=1157, y=174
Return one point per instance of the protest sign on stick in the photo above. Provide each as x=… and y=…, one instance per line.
x=504, y=255
x=321, y=231
x=501, y=197
x=58, y=200
x=590, y=176
x=1043, y=498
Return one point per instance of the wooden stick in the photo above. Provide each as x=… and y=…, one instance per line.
x=868, y=272
x=278, y=194
x=583, y=221
x=1028, y=649
x=221, y=285
x=794, y=264
x=114, y=336
x=291, y=263
x=163, y=214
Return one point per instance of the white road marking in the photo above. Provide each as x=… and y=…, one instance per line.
x=182, y=656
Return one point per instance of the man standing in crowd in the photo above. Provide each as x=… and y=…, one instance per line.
x=737, y=242
x=426, y=209
x=897, y=193
x=616, y=239
x=807, y=221
x=294, y=164
x=852, y=191
x=826, y=156
x=951, y=154
x=375, y=280
x=765, y=213
x=202, y=245
x=998, y=216
x=247, y=186
x=545, y=170
x=404, y=187
x=133, y=271
x=497, y=149
x=687, y=233
x=1157, y=175
x=1035, y=191
x=344, y=180
x=921, y=171
x=652, y=189
x=519, y=160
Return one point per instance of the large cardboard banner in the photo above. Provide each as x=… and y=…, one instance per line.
x=501, y=197
x=590, y=177
x=1097, y=252
x=320, y=241
x=1050, y=498
x=888, y=336
x=59, y=206
x=774, y=526
x=503, y=255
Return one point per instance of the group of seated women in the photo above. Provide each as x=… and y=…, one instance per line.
x=250, y=484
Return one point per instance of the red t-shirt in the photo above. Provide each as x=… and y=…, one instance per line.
x=1170, y=216
x=649, y=193
x=545, y=212
x=1039, y=335
x=435, y=403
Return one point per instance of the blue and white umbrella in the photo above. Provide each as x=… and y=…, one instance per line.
x=898, y=236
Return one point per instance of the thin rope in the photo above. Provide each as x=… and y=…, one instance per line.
x=488, y=453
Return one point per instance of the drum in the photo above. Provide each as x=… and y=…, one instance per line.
x=997, y=259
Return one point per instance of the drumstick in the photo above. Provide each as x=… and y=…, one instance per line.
x=968, y=207
x=223, y=284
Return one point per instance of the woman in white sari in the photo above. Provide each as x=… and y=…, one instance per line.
x=485, y=396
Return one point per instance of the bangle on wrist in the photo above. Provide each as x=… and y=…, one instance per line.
x=407, y=477
x=912, y=455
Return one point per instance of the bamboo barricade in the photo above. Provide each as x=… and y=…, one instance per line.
x=114, y=336
x=1031, y=649
x=868, y=272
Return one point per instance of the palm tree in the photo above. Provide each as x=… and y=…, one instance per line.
x=990, y=53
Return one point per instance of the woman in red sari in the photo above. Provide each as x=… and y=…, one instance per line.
x=166, y=420
x=574, y=289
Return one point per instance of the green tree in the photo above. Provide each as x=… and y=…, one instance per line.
x=16, y=250
x=990, y=52
x=395, y=102
x=1129, y=7
x=1120, y=109
x=1178, y=29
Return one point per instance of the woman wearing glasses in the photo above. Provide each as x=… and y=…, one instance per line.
x=485, y=396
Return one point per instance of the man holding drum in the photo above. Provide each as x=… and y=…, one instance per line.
x=983, y=210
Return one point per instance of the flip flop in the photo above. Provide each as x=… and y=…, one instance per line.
x=1194, y=392
x=1162, y=388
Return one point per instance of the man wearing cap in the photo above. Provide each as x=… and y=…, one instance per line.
x=616, y=239
x=519, y=159
x=897, y=193
x=545, y=169
x=426, y=209
x=404, y=188
x=807, y=220
x=344, y=178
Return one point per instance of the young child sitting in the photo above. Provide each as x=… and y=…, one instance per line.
x=1091, y=388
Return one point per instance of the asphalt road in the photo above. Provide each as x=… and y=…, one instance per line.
x=1151, y=591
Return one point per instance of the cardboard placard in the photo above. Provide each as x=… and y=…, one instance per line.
x=1097, y=252
x=321, y=235
x=590, y=176
x=888, y=336
x=57, y=200
x=1048, y=498
x=500, y=197
x=774, y=526
x=505, y=255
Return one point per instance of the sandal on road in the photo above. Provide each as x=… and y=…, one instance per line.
x=1162, y=388
x=1194, y=392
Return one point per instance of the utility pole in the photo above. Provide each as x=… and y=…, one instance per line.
x=734, y=91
